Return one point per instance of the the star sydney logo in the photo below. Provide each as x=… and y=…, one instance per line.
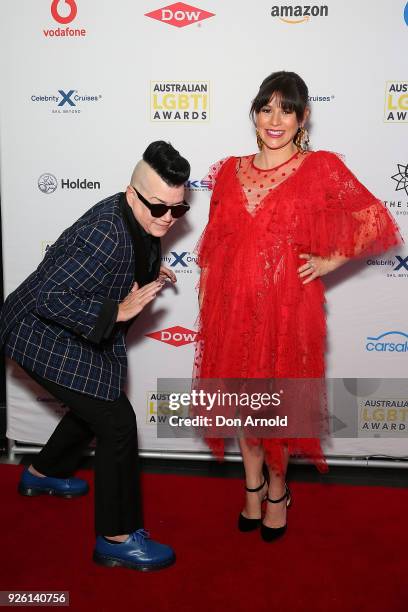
x=401, y=178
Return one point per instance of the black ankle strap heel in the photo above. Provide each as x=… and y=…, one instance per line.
x=268, y=534
x=256, y=488
x=247, y=524
x=286, y=496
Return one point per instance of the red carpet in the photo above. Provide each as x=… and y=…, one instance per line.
x=346, y=550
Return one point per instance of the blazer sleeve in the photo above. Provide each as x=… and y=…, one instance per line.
x=349, y=220
x=74, y=291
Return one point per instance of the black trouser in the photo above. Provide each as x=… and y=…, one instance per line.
x=117, y=485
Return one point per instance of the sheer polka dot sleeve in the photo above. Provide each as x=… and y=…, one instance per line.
x=350, y=221
x=213, y=172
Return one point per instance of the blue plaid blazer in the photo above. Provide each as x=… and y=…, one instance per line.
x=61, y=321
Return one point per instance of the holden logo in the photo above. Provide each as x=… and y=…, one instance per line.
x=176, y=336
x=64, y=11
x=179, y=14
x=47, y=183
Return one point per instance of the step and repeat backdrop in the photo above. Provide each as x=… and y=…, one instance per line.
x=87, y=85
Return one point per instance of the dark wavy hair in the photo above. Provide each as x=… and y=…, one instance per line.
x=167, y=162
x=288, y=87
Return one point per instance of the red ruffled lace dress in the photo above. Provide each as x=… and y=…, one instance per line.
x=257, y=319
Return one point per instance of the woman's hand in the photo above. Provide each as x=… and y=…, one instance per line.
x=137, y=299
x=318, y=266
x=167, y=273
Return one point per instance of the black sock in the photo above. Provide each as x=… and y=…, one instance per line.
x=111, y=541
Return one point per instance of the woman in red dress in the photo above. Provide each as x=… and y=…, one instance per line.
x=279, y=220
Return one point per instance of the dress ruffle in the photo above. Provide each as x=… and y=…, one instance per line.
x=257, y=318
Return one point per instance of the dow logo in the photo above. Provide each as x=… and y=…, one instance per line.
x=298, y=14
x=64, y=11
x=176, y=336
x=388, y=342
x=179, y=14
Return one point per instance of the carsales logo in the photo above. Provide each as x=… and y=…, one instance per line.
x=179, y=14
x=176, y=336
x=64, y=12
x=399, y=344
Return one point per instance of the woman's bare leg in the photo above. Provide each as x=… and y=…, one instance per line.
x=275, y=514
x=253, y=457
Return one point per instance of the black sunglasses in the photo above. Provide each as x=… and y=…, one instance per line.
x=159, y=210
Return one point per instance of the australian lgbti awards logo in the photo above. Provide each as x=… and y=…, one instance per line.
x=383, y=417
x=180, y=101
x=176, y=336
x=158, y=410
x=179, y=14
x=396, y=102
x=64, y=12
x=295, y=13
x=71, y=101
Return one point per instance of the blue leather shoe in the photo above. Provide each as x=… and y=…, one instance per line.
x=31, y=485
x=137, y=552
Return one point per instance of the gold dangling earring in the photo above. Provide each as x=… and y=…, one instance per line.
x=259, y=141
x=301, y=139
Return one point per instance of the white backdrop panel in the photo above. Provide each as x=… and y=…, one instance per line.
x=348, y=57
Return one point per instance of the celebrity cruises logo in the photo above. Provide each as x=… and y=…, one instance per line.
x=179, y=14
x=176, y=336
x=295, y=13
x=64, y=12
x=66, y=101
x=183, y=262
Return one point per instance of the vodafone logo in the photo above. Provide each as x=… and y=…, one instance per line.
x=179, y=14
x=176, y=336
x=64, y=11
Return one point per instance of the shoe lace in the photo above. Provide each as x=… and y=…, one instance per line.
x=140, y=536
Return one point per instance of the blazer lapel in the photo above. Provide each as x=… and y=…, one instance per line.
x=141, y=272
